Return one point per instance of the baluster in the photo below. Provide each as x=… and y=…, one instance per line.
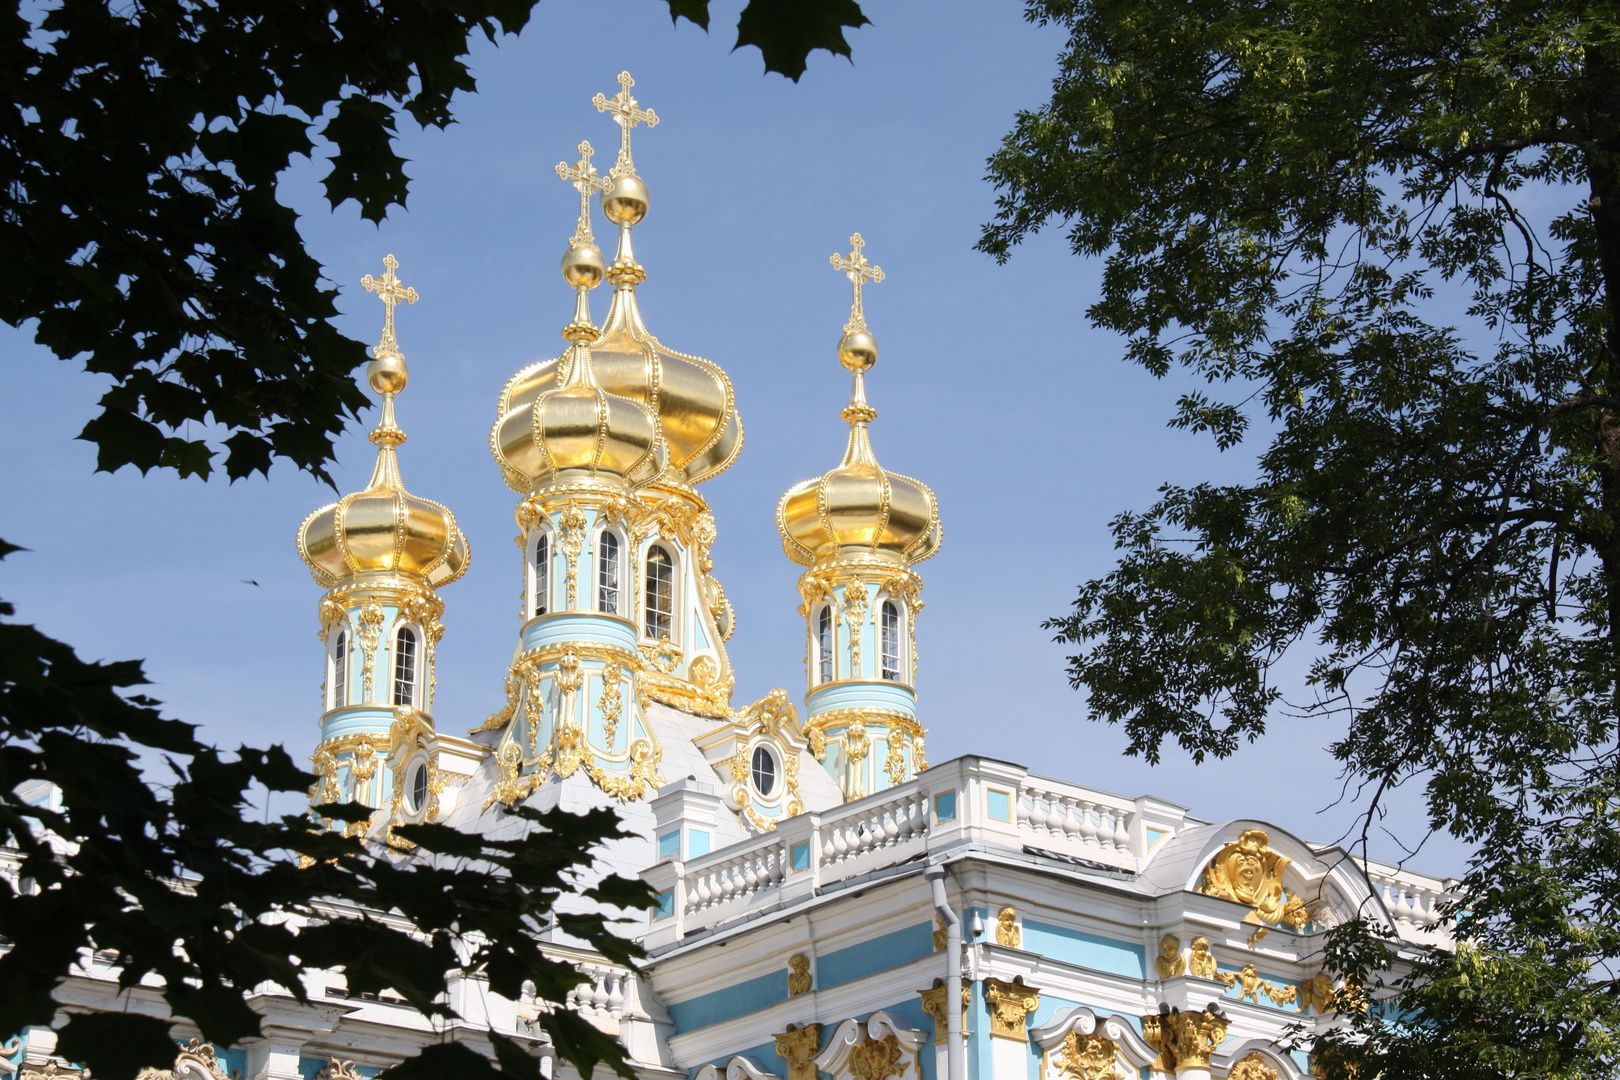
x=1088, y=831
x=616, y=996
x=1122, y=831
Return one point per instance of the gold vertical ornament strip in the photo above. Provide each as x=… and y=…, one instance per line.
x=371, y=620
x=572, y=522
x=610, y=704
x=855, y=597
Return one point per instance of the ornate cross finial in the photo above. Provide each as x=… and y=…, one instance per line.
x=390, y=290
x=587, y=181
x=628, y=114
x=859, y=272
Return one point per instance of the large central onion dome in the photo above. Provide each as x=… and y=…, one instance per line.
x=699, y=432
x=859, y=508
x=384, y=529
x=572, y=424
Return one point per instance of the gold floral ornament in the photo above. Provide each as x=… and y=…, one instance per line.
x=335, y=1069
x=798, y=1046
x=1088, y=1057
x=1007, y=930
x=1251, y=986
x=1170, y=962
x=1250, y=872
x=195, y=1061
x=1252, y=1067
x=798, y=979
x=1184, y=1040
x=1010, y=1004
x=877, y=1059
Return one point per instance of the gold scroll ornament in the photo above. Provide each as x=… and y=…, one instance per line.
x=1250, y=872
x=1088, y=1057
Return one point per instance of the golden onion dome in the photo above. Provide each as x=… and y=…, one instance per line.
x=385, y=528
x=573, y=425
x=699, y=433
x=860, y=507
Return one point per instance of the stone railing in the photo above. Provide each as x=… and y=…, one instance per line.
x=1413, y=900
x=969, y=800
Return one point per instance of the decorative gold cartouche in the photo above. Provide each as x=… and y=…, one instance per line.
x=385, y=529
x=859, y=508
x=699, y=431
x=577, y=427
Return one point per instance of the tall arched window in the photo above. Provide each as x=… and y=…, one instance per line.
x=607, y=574
x=542, y=574
x=824, y=644
x=889, y=643
x=660, y=598
x=405, y=667
x=340, y=670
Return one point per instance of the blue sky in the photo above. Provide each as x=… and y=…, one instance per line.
x=991, y=388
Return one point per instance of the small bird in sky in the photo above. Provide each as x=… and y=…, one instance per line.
x=250, y=581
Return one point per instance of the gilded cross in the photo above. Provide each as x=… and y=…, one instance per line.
x=859, y=272
x=390, y=290
x=628, y=114
x=587, y=181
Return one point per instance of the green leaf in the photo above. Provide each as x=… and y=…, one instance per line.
x=786, y=32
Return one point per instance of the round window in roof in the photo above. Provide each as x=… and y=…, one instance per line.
x=763, y=769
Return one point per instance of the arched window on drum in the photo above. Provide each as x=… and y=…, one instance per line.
x=542, y=575
x=608, y=573
x=889, y=641
x=405, y=666
x=658, y=601
x=339, y=678
x=824, y=644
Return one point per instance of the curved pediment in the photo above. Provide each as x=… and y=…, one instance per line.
x=1280, y=878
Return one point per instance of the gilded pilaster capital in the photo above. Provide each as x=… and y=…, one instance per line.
x=1184, y=1040
x=1010, y=1004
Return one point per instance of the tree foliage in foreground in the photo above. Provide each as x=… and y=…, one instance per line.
x=185, y=882
x=1391, y=233
x=140, y=144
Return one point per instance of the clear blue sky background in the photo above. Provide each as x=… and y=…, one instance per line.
x=992, y=388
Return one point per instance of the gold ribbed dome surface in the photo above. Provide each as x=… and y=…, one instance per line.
x=859, y=507
x=577, y=425
x=385, y=529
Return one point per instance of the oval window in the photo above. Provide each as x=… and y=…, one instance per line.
x=763, y=769
x=419, y=788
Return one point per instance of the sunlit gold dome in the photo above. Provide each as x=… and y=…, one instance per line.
x=384, y=528
x=572, y=424
x=860, y=507
x=699, y=433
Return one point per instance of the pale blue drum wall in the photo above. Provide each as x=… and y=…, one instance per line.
x=574, y=628
x=867, y=694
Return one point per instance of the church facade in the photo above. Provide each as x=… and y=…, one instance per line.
x=830, y=905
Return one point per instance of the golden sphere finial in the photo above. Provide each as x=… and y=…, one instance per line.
x=625, y=200
x=857, y=350
x=583, y=265
x=388, y=373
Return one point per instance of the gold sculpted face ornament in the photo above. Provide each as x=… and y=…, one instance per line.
x=1170, y=962
x=798, y=975
x=1250, y=872
x=627, y=112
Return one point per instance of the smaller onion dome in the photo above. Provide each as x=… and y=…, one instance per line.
x=385, y=528
x=860, y=507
